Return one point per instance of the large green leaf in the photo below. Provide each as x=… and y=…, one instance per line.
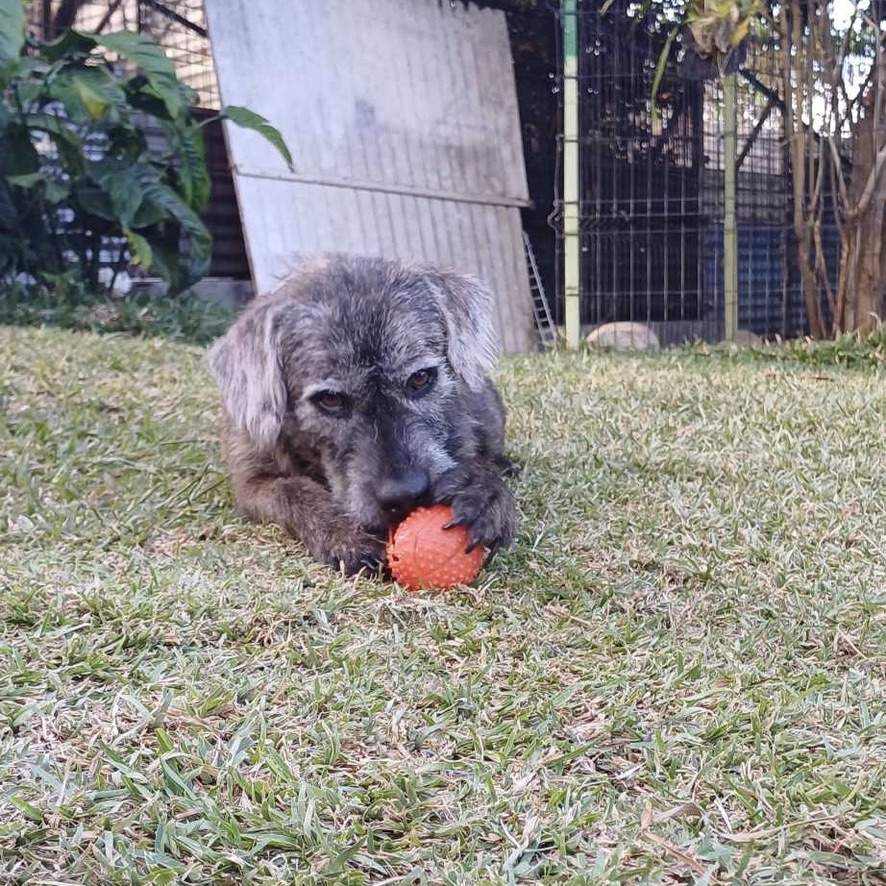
x=166, y=260
x=195, y=263
x=150, y=59
x=88, y=93
x=148, y=215
x=250, y=120
x=91, y=199
x=12, y=30
x=54, y=191
x=30, y=76
x=142, y=97
x=18, y=156
x=26, y=180
x=140, y=251
x=193, y=175
x=124, y=184
x=71, y=45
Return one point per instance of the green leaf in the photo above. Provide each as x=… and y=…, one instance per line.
x=72, y=45
x=148, y=214
x=88, y=93
x=194, y=264
x=250, y=120
x=124, y=185
x=56, y=191
x=18, y=156
x=26, y=180
x=193, y=175
x=166, y=262
x=94, y=201
x=142, y=97
x=150, y=59
x=53, y=190
x=660, y=69
x=12, y=30
x=140, y=251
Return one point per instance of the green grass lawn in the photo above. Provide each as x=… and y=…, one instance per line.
x=676, y=676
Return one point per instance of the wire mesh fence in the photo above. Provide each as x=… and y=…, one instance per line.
x=179, y=26
x=652, y=183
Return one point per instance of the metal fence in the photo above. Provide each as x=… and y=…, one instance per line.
x=179, y=26
x=652, y=184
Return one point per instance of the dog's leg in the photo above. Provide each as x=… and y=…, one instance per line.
x=480, y=501
x=305, y=510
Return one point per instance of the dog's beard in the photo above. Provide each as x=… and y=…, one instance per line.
x=356, y=491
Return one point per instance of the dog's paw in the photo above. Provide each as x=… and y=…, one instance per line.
x=481, y=502
x=508, y=468
x=352, y=551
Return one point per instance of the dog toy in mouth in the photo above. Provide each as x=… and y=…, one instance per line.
x=422, y=555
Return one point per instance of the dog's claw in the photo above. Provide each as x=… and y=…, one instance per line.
x=360, y=554
x=481, y=502
x=507, y=467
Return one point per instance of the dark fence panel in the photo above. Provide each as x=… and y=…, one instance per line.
x=651, y=201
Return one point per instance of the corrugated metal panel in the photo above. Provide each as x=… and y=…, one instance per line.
x=402, y=119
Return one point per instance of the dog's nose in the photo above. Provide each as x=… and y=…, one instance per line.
x=400, y=494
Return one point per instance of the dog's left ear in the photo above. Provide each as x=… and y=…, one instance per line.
x=467, y=305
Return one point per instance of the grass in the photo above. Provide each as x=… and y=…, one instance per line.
x=676, y=676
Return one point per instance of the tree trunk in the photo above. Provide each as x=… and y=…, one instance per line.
x=795, y=98
x=862, y=253
x=860, y=301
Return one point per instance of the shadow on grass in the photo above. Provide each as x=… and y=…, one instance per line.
x=188, y=318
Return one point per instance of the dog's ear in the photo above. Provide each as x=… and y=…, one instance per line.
x=467, y=306
x=246, y=364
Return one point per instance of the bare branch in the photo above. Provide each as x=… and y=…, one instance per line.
x=821, y=267
x=837, y=166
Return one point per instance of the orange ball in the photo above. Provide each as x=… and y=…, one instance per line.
x=424, y=555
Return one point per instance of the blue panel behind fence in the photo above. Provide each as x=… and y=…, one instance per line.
x=766, y=305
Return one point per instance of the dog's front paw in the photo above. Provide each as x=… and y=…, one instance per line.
x=351, y=550
x=481, y=502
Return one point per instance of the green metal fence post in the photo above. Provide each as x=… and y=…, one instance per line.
x=571, y=238
x=730, y=229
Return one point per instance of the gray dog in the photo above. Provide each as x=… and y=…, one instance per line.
x=357, y=390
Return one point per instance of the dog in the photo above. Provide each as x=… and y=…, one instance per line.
x=357, y=390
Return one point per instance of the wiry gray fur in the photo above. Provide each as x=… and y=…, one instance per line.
x=328, y=430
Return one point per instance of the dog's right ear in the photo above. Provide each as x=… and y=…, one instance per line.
x=246, y=364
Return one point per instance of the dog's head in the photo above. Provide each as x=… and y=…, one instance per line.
x=370, y=364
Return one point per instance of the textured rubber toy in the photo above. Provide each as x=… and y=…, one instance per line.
x=422, y=555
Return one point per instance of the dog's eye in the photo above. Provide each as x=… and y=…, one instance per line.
x=422, y=380
x=331, y=401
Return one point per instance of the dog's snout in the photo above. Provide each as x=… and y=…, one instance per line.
x=398, y=495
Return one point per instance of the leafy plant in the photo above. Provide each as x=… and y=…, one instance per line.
x=80, y=187
x=68, y=304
